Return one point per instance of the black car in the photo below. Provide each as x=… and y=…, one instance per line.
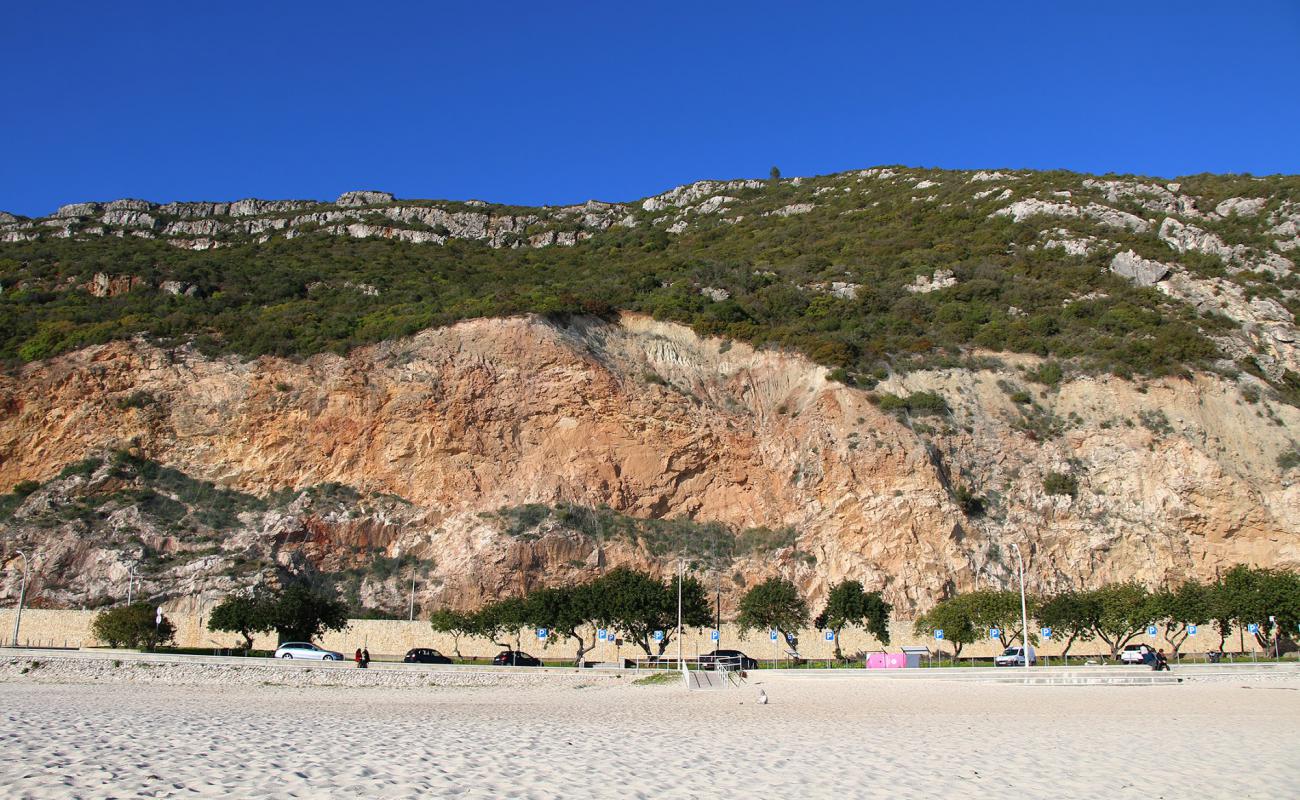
x=425, y=655
x=515, y=658
x=730, y=659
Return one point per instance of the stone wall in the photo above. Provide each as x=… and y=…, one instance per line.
x=387, y=637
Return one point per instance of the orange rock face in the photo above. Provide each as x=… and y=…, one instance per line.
x=651, y=421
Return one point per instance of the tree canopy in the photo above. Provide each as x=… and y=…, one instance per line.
x=774, y=604
x=850, y=605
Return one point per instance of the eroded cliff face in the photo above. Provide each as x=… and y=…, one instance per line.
x=1175, y=477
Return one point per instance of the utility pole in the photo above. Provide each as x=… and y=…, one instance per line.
x=22, y=595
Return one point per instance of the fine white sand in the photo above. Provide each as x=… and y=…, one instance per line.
x=822, y=737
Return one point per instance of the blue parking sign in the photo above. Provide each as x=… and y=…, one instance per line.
x=1151, y=631
x=771, y=635
x=938, y=633
x=1253, y=628
x=659, y=636
x=1047, y=633
x=541, y=633
x=714, y=635
x=994, y=633
x=600, y=634
x=830, y=636
x=1191, y=630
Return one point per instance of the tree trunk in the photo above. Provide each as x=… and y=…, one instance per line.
x=1065, y=652
x=839, y=656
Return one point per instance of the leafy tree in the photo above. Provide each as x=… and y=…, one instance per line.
x=774, y=604
x=953, y=618
x=1070, y=614
x=495, y=620
x=774, y=174
x=1253, y=594
x=134, y=626
x=245, y=613
x=568, y=610
x=1192, y=603
x=849, y=604
x=301, y=612
x=989, y=608
x=1123, y=611
x=635, y=603
x=454, y=623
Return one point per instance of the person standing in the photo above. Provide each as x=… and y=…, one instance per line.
x=365, y=657
x=357, y=658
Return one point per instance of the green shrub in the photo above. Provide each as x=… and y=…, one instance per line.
x=137, y=399
x=133, y=626
x=1289, y=460
x=1056, y=483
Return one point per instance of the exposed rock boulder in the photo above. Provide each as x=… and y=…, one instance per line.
x=78, y=210
x=129, y=218
x=363, y=198
x=178, y=288
x=942, y=279
x=1141, y=271
x=1022, y=210
x=104, y=285
x=1241, y=206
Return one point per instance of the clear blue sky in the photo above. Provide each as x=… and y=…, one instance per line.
x=560, y=102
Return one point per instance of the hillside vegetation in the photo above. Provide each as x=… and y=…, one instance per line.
x=866, y=272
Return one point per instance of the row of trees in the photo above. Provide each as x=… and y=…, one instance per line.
x=1116, y=614
x=643, y=610
x=638, y=606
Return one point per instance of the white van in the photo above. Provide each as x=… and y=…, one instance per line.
x=1015, y=657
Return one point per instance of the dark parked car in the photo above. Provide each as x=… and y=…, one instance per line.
x=425, y=655
x=515, y=658
x=730, y=659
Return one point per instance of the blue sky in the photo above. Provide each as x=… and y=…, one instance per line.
x=555, y=103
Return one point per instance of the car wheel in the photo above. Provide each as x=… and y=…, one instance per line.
x=287, y=655
x=327, y=658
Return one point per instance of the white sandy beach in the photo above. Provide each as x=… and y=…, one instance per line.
x=822, y=737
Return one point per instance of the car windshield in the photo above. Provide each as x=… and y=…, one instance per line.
x=1012, y=651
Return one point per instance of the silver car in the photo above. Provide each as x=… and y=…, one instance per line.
x=306, y=650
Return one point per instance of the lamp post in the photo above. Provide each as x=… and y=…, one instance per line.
x=130, y=584
x=1024, y=610
x=22, y=595
x=681, y=576
x=410, y=617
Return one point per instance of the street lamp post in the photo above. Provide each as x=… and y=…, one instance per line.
x=22, y=596
x=681, y=576
x=411, y=615
x=1024, y=610
x=130, y=584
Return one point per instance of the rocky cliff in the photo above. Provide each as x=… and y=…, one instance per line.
x=492, y=455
